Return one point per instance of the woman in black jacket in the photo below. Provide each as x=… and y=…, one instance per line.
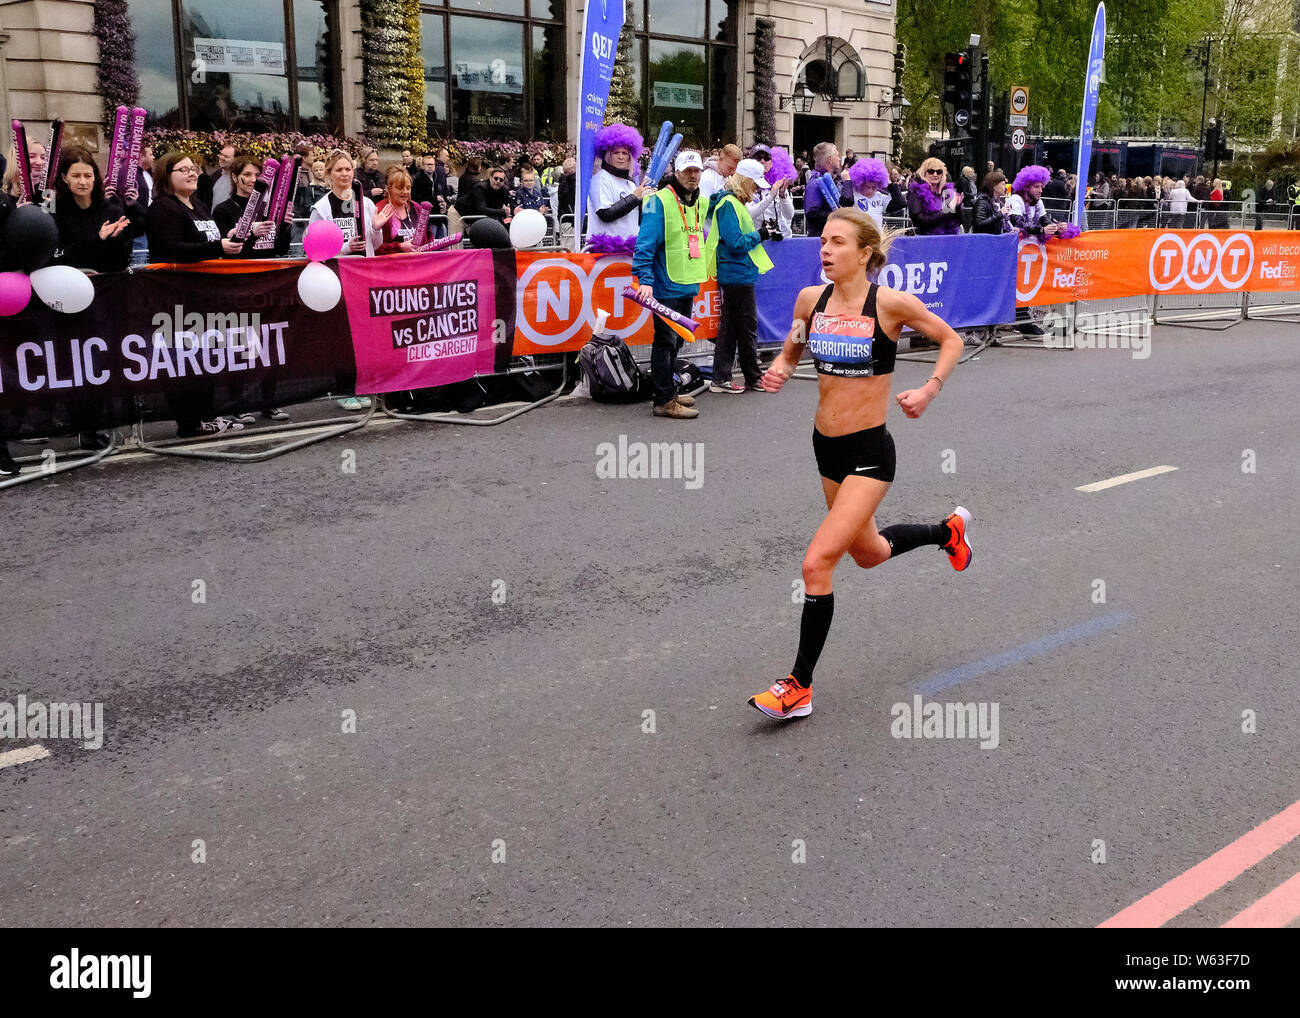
x=179, y=226
x=94, y=233
x=181, y=229
x=95, y=236
x=245, y=170
x=991, y=206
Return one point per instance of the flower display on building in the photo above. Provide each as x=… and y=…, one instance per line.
x=394, y=72
x=116, y=76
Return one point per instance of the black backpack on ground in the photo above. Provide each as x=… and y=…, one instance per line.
x=612, y=372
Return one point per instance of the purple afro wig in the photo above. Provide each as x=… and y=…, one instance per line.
x=782, y=167
x=614, y=135
x=1030, y=175
x=868, y=169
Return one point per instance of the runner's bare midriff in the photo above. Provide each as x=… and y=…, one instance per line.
x=846, y=405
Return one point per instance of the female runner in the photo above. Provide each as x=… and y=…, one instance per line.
x=850, y=327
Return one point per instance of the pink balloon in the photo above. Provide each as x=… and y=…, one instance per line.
x=322, y=240
x=15, y=292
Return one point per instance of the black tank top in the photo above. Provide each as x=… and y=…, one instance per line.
x=850, y=346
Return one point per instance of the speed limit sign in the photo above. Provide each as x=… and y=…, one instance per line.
x=1018, y=138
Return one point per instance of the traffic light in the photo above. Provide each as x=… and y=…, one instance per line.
x=953, y=69
x=968, y=80
x=1211, y=140
x=1221, y=152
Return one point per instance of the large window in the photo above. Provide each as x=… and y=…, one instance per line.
x=155, y=60
x=313, y=39
x=238, y=64
x=677, y=87
x=502, y=73
x=433, y=51
x=688, y=56
x=487, y=78
x=545, y=82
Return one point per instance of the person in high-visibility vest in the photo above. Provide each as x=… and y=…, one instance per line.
x=670, y=264
x=736, y=258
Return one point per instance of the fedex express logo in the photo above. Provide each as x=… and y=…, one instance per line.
x=557, y=298
x=1201, y=261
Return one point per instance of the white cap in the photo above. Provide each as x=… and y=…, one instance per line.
x=685, y=160
x=753, y=169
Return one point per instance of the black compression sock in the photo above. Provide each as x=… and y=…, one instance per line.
x=906, y=536
x=818, y=610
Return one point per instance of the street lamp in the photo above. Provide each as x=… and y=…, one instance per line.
x=890, y=106
x=801, y=99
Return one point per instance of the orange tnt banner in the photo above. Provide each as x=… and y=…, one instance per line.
x=559, y=293
x=1102, y=264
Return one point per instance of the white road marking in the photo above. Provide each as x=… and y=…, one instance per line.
x=22, y=756
x=1124, y=479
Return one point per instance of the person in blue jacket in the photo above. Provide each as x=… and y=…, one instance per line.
x=670, y=264
x=736, y=257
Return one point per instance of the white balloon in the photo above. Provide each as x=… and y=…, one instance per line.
x=318, y=287
x=527, y=229
x=63, y=288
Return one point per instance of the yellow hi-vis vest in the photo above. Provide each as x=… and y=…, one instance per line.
x=756, y=254
x=682, y=268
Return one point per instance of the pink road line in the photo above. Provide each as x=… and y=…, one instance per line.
x=1273, y=911
x=1203, y=879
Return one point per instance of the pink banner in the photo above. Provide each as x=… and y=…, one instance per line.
x=420, y=320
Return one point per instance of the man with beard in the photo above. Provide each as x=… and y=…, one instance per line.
x=670, y=265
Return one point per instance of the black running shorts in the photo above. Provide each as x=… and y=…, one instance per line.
x=867, y=453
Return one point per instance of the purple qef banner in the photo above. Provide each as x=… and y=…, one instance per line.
x=1091, y=89
x=601, y=22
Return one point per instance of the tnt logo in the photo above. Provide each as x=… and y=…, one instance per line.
x=557, y=298
x=1031, y=268
x=1200, y=262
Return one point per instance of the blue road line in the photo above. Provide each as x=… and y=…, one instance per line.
x=982, y=667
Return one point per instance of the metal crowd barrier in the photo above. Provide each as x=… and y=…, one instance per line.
x=50, y=464
x=186, y=448
x=518, y=366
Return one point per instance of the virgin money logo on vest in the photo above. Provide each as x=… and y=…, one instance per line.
x=1201, y=261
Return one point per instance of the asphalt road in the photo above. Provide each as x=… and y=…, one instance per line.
x=515, y=729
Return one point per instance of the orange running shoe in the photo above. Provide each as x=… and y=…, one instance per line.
x=958, y=544
x=784, y=700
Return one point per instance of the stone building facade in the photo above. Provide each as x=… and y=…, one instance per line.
x=493, y=68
